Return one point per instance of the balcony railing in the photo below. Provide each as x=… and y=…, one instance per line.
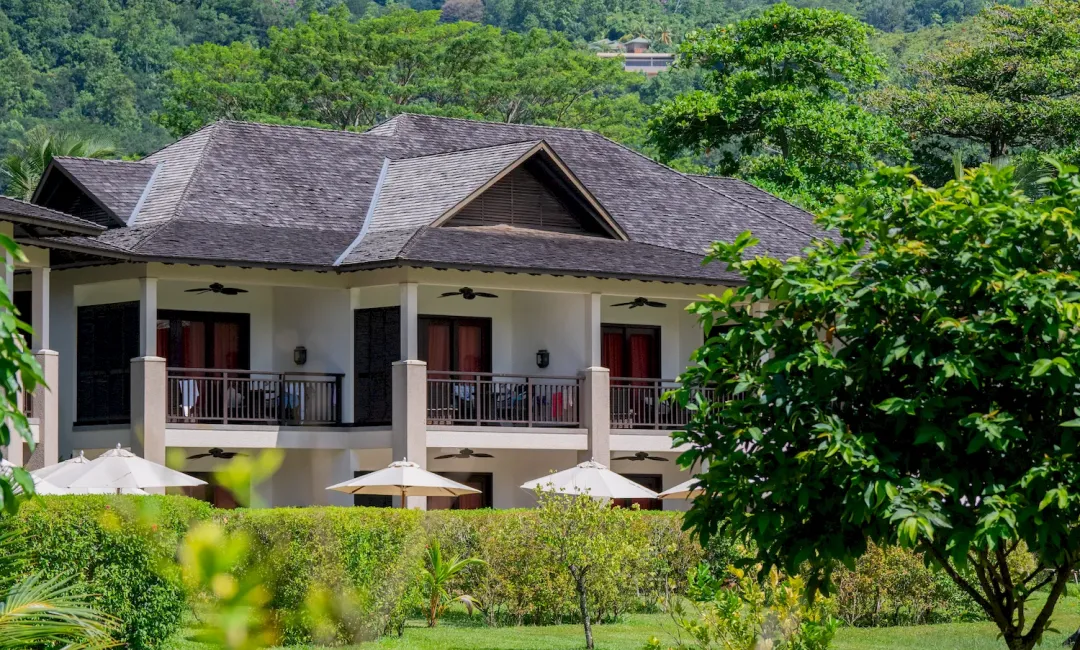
x=640, y=404
x=204, y=395
x=486, y=399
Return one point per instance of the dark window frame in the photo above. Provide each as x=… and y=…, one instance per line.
x=371, y=500
x=487, y=479
x=654, y=482
x=208, y=318
x=485, y=323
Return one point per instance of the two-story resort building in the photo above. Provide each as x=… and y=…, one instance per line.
x=492, y=301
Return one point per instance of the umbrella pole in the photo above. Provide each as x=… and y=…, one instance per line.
x=403, y=497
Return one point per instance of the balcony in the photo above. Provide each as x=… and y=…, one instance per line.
x=209, y=396
x=640, y=404
x=486, y=399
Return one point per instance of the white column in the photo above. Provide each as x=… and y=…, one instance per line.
x=410, y=347
x=39, y=316
x=409, y=435
x=596, y=414
x=593, y=339
x=14, y=452
x=147, y=317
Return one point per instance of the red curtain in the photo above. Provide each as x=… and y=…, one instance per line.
x=192, y=344
x=438, y=346
x=611, y=353
x=641, y=355
x=470, y=348
x=226, y=346
x=163, y=339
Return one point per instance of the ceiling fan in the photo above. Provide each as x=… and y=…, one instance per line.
x=641, y=302
x=217, y=452
x=466, y=453
x=217, y=287
x=468, y=294
x=641, y=455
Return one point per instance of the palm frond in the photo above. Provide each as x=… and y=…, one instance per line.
x=40, y=610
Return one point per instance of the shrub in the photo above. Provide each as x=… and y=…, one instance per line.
x=520, y=583
x=894, y=586
x=121, y=551
x=368, y=557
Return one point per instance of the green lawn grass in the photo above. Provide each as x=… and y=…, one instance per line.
x=459, y=633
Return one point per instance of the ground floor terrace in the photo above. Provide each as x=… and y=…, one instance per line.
x=345, y=372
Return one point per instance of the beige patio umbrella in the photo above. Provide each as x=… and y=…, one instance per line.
x=591, y=478
x=685, y=490
x=73, y=467
x=119, y=471
x=46, y=472
x=404, y=479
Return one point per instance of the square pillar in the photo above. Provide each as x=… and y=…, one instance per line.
x=148, y=403
x=47, y=411
x=593, y=336
x=596, y=414
x=148, y=317
x=409, y=432
x=410, y=346
x=39, y=311
x=13, y=453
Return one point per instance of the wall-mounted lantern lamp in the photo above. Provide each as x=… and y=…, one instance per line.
x=543, y=358
x=299, y=355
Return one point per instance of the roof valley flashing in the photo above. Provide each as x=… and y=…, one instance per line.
x=288, y=197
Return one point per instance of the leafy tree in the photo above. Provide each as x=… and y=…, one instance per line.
x=1013, y=84
x=468, y=10
x=29, y=158
x=777, y=102
x=582, y=535
x=349, y=74
x=911, y=380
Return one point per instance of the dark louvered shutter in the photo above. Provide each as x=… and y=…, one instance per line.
x=376, y=345
x=520, y=200
x=107, y=341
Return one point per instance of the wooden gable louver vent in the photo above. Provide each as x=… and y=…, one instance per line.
x=519, y=199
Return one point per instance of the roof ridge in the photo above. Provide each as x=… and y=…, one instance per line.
x=179, y=140
x=515, y=125
x=299, y=127
x=452, y=152
x=79, y=220
x=104, y=160
x=153, y=229
x=746, y=182
x=750, y=207
x=198, y=167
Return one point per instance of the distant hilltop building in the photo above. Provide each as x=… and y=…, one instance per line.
x=636, y=55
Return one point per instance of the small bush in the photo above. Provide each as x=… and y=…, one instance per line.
x=122, y=551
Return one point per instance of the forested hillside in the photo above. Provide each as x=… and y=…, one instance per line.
x=97, y=65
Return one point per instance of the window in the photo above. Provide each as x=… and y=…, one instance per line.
x=654, y=482
x=211, y=493
x=196, y=339
x=631, y=351
x=479, y=481
x=376, y=346
x=371, y=500
x=455, y=344
x=107, y=339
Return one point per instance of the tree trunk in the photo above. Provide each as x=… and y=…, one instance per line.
x=583, y=603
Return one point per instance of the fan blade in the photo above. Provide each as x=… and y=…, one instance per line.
x=446, y=456
x=203, y=290
x=450, y=293
x=635, y=305
x=626, y=458
x=198, y=456
x=485, y=295
x=622, y=304
x=652, y=303
x=231, y=291
x=482, y=455
x=657, y=458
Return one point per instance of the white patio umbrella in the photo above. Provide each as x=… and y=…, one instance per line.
x=685, y=490
x=72, y=468
x=119, y=470
x=594, y=479
x=404, y=479
x=46, y=472
x=41, y=486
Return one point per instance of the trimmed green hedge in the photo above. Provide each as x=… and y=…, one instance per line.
x=122, y=549
x=367, y=556
x=364, y=562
